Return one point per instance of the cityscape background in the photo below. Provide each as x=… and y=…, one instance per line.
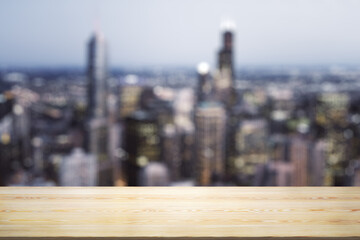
x=179, y=93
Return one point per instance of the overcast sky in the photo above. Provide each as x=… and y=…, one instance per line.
x=179, y=32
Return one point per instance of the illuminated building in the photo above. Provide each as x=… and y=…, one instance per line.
x=183, y=105
x=332, y=109
x=279, y=148
x=22, y=109
x=6, y=137
x=331, y=117
x=171, y=155
x=251, y=148
x=187, y=143
x=141, y=143
x=129, y=100
x=282, y=104
x=290, y=160
x=210, y=123
x=14, y=133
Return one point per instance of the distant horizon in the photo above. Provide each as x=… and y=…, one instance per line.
x=178, y=67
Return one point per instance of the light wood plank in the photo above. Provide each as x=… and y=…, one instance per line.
x=197, y=212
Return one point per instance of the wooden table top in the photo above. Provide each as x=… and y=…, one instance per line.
x=179, y=212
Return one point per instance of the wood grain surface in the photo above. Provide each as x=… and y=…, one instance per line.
x=179, y=212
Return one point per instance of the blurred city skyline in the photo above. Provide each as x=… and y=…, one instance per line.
x=40, y=33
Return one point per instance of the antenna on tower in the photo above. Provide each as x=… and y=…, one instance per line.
x=97, y=22
x=97, y=28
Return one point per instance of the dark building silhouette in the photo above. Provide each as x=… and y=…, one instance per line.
x=224, y=77
x=7, y=157
x=97, y=75
x=170, y=154
x=142, y=144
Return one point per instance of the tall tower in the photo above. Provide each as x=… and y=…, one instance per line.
x=97, y=130
x=210, y=119
x=97, y=74
x=224, y=78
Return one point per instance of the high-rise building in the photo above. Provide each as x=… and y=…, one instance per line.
x=251, y=149
x=225, y=59
x=183, y=120
x=129, y=100
x=78, y=169
x=224, y=77
x=171, y=155
x=97, y=143
x=224, y=90
x=317, y=165
x=331, y=117
x=210, y=123
x=6, y=137
x=141, y=143
x=279, y=148
x=299, y=158
x=97, y=76
x=97, y=119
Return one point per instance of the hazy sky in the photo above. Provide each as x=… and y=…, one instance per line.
x=179, y=32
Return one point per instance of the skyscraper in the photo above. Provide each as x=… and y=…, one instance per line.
x=225, y=57
x=97, y=130
x=142, y=144
x=332, y=117
x=97, y=74
x=224, y=90
x=251, y=149
x=224, y=77
x=210, y=121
